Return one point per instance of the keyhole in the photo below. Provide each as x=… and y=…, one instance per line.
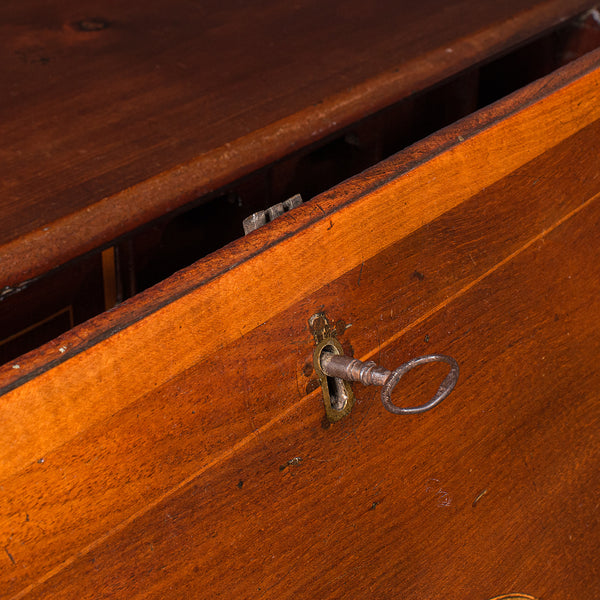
x=337, y=390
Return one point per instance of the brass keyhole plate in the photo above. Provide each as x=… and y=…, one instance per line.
x=338, y=397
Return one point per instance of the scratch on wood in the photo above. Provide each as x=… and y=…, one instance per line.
x=10, y=556
x=445, y=499
x=479, y=497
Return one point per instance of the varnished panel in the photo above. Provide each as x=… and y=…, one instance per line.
x=113, y=115
x=198, y=417
x=493, y=491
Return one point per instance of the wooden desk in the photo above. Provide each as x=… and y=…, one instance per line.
x=175, y=446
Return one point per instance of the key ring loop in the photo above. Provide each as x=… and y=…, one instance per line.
x=445, y=388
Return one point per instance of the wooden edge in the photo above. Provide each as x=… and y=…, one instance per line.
x=40, y=413
x=44, y=249
x=98, y=329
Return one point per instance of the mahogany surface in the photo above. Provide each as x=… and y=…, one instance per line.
x=174, y=447
x=114, y=114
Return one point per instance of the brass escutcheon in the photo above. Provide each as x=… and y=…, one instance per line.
x=338, y=397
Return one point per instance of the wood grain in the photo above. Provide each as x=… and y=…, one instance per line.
x=131, y=483
x=398, y=504
x=110, y=107
x=183, y=426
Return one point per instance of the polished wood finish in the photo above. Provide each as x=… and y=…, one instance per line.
x=174, y=446
x=495, y=491
x=114, y=115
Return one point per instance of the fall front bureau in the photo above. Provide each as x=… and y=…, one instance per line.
x=176, y=447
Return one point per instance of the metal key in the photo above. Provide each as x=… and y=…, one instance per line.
x=368, y=373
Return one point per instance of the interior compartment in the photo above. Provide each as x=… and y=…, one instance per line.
x=55, y=302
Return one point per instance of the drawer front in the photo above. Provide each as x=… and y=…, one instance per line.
x=177, y=446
